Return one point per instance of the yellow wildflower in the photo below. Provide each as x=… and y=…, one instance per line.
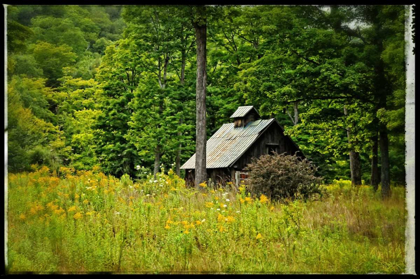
x=212, y=191
x=242, y=200
x=90, y=213
x=22, y=217
x=220, y=217
x=263, y=199
x=186, y=232
x=85, y=201
x=59, y=211
x=222, y=229
x=216, y=198
x=73, y=208
x=78, y=215
x=167, y=227
x=76, y=196
x=272, y=208
x=259, y=236
x=203, y=184
x=198, y=222
x=230, y=219
x=248, y=199
x=209, y=204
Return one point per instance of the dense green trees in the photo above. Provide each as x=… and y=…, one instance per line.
x=115, y=86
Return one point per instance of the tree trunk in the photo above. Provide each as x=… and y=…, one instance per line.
x=200, y=159
x=182, y=80
x=178, y=154
x=385, y=181
x=374, y=176
x=355, y=166
x=295, y=107
x=157, y=161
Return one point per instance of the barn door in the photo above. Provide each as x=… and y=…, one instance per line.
x=241, y=176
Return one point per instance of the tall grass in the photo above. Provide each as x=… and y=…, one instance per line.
x=88, y=222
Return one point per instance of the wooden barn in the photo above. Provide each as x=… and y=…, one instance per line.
x=233, y=146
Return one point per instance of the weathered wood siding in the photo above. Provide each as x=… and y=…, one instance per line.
x=272, y=137
x=217, y=176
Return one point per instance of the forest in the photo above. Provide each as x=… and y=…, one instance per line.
x=115, y=87
x=109, y=92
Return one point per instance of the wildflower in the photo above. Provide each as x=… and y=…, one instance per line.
x=198, y=222
x=78, y=215
x=224, y=194
x=85, y=202
x=212, y=191
x=225, y=205
x=222, y=229
x=138, y=167
x=73, y=208
x=209, y=204
x=203, y=184
x=263, y=199
x=59, y=211
x=167, y=227
x=242, y=200
x=238, y=211
x=222, y=205
x=219, y=217
x=259, y=236
x=218, y=209
x=230, y=219
x=228, y=200
x=186, y=232
x=22, y=217
x=248, y=199
x=90, y=213
x=76, y=196
x=272, y=208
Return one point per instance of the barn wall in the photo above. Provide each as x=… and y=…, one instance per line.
x=273, y=135
x=217, y=176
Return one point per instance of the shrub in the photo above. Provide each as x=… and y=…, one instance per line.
x=283, y=176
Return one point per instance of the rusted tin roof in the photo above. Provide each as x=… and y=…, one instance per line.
x=242, y=111
x=229, y=143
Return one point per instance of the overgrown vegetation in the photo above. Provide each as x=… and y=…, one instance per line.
x=90, y=222
x=283, y=176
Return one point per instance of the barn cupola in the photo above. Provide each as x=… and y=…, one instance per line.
x=243, y=115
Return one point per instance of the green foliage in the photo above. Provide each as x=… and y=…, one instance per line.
x=130, y=73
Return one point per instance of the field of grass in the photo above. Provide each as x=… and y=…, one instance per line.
x=88, y=222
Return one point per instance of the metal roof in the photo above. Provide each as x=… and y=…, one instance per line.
x=242, y=111
x=228, y=144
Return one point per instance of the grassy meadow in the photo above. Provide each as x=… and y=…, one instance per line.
x=81, y=222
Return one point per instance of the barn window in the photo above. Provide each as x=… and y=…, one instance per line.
x=272, y=148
